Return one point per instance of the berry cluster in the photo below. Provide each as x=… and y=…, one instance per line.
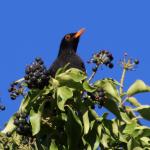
x=102, y=57
x=15, y=90
x=98, y=96
x=22, y=124
x=37, y=76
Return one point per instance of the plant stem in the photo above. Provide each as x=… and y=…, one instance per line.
x=93, y=74
x=122, y=80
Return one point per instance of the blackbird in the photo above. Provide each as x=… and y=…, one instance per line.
x=67, y=53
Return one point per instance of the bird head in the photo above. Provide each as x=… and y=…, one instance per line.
x=70, y=42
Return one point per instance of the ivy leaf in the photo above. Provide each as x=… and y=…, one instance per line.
x=129, y=129
x=72, y=73
x=86, y=122
x=145, y=141
x=35, y=119
x=112, y=107
x=125, y=117
x=53, y=146
x=10, y=125
x=88, y=87
x=110, y=89
x=71, y=78
x=73, y=129
x=133, y=101
x=133, y=145
x=144, y=111
x=63, y=94
x=138, y=87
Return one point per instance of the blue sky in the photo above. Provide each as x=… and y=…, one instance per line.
x=35, y=28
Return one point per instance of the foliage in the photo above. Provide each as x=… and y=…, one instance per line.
x=61, y=116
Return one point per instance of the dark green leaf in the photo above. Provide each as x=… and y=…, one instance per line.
x=144, y=111
x=74, y=129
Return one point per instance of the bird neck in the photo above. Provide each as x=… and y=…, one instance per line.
x=64, y=53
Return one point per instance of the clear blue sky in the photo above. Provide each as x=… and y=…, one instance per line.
x=35, y=28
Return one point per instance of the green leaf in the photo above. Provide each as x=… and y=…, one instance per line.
x=110, y=89
x=53, y=146
x=10, y=125
x=129, y=129
x=63, y=94
x=105, y=140
x=133, y=101
x=61, y=70
x=86, y=122
x=73, y=129
x=72, y=73
x=112, y=107
x=96, y=144
x=144, y=111
x=125, y=117
x=145, y=141
x=35, y=119
x=99, y=131
x=138, y=87
x=115, y=127
x=133, y=144
x=88, y=87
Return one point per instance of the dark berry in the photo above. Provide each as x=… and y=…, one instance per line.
x=101, y=94
x=38, y=59
x=2, y=107
x=93, y=106
x=13, y=96
x=10, y=89
x=111, y=65
x=94, y=69
x=136, y=61
x=8, y=134
x=16, y=122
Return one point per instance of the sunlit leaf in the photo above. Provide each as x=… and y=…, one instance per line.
x=129, y=129
x=86, y=122
x=53, y=146
x=88, y=87
x=110, y=89
x=63, y=94
x=133, y=101
x=138, y=87
x=35, y=119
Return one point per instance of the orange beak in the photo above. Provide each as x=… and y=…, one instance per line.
x=79, y=33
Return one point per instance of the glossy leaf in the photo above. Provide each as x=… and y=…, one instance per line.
x=53, y=146
x=86, y=122
x=63, y=94
x=138, y=87
x=133, y=101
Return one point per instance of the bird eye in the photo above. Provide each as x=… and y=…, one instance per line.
x=68, y=37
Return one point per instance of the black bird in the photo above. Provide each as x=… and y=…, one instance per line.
x=67, y=53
